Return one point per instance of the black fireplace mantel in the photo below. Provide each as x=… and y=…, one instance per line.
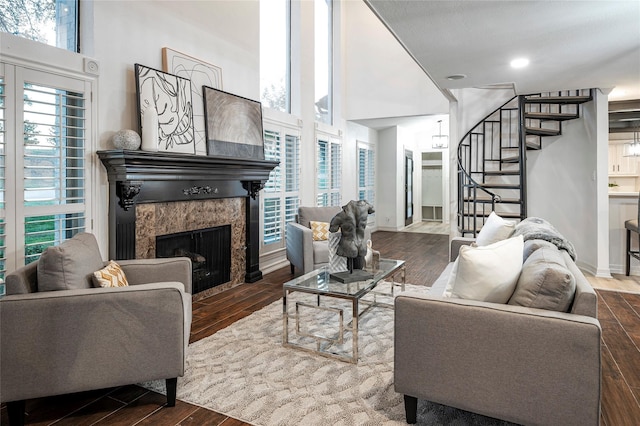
x=148, y=177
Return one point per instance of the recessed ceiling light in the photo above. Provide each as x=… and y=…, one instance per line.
x=456, y=77
x=519, y=63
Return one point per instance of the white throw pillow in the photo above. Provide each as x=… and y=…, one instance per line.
x=487, y=273
x=495, y=229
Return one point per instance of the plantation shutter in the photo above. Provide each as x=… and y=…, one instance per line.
x=272, y=228
x=366, y=174
x=3, y=220
x=51, y=129
x=292, y=177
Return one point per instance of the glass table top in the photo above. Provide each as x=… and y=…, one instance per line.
x=319, y=281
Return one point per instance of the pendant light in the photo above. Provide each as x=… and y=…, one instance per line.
x=632, y=149
x=439, y=141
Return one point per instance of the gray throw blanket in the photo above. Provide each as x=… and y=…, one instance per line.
x=534, y=228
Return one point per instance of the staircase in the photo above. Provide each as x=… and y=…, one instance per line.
x=492, y=167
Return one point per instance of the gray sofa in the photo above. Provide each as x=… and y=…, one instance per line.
x=525, y=365
x=80, y=337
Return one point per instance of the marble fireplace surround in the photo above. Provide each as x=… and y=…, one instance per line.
x=157, y=193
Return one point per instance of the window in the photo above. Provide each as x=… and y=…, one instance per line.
x=366, y=174
x=275, y=69
x=45, y=144
x=329, y=173
x=3, y=245
x=281, y=196
x=53, y=22
x=323, y=13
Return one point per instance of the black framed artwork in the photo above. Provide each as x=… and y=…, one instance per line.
x=233, y=125
x=170, y=96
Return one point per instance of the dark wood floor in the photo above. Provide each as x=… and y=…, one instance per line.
x=426, y=255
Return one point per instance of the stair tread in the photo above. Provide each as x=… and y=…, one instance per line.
x=542, y=131
x=556, y=99
x=502, y=173
x=488, y=200
x=555, y=116
x=482, y=214
x=500, y=185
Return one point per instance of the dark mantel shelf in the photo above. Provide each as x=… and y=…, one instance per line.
x=126, y=165
x=149, y=177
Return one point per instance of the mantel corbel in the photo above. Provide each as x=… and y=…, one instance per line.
x=128, y=190
x=253, y=187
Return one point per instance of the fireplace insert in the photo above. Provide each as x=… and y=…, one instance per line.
x=209, y=250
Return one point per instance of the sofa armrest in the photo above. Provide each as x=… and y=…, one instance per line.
x=456, y=243
x=300, y=246
x=74, y=340
x=145, y=271
x=519, y=364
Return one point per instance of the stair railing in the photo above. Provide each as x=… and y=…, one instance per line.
x=467, y=185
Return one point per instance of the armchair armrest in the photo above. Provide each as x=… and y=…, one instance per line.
x=144, y=271
x=300, y=246
x=74, y=340
x=515, y=363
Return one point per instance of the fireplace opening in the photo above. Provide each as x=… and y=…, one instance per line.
x=209, y=250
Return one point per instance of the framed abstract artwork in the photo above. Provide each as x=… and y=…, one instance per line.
x=233, y=125
x=170, y=96
x=201, y=74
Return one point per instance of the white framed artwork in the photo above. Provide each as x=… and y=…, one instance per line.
x=201, y=74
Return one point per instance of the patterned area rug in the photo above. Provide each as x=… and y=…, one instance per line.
x=244, y=372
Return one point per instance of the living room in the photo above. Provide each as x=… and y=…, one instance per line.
x=116, y=35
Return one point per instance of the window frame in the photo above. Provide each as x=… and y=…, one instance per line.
x=287, y=77
x=286, y=127
x=335, y=155
x=24, y=60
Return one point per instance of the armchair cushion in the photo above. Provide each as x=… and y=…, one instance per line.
x=111, y=275
x=69, y=265
x=487, y=273
x=545, y=282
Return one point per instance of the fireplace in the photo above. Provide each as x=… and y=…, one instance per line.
x=152, y=194
x=209, y=251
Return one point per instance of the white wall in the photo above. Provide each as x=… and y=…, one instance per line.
x=563, y=185
x=380, y=78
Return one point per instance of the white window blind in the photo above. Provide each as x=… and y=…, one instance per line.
x=3, y=248
x=281, y=192
x=366, y=175
x=50, y=180
x=329, y=171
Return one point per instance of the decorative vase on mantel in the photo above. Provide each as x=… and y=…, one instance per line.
x=150, y=130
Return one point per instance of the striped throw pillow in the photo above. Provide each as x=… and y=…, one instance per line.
x=111, y=275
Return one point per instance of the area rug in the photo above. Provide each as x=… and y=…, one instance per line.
x=244, y=372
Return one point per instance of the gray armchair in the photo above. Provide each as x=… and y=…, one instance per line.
x=302, y=252
x=82, y=338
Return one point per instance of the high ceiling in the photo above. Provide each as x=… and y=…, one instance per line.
x=570, y=44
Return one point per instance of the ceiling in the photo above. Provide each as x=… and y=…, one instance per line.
x=570, y=44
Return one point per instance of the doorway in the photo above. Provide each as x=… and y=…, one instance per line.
x=408, y=187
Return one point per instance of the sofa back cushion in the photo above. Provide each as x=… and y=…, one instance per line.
x=318, y=214
x=545, y=282
x=69, y=265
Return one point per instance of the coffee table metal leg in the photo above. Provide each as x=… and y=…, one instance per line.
x=285, y=319
x=354, y=330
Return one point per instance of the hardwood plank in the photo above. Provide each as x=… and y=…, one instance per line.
x=618, y=405
x=135, y=410
x=623, y=350
x=203, y=417
x=171, y=415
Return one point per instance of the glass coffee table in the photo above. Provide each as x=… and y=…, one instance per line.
x=326, y=291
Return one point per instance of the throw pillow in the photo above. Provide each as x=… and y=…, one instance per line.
x=532, y=245
x=320, y=230
x=111, y=275
x=545, y=282
x=69, y=265
x=486, y=273
x=495, y=229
